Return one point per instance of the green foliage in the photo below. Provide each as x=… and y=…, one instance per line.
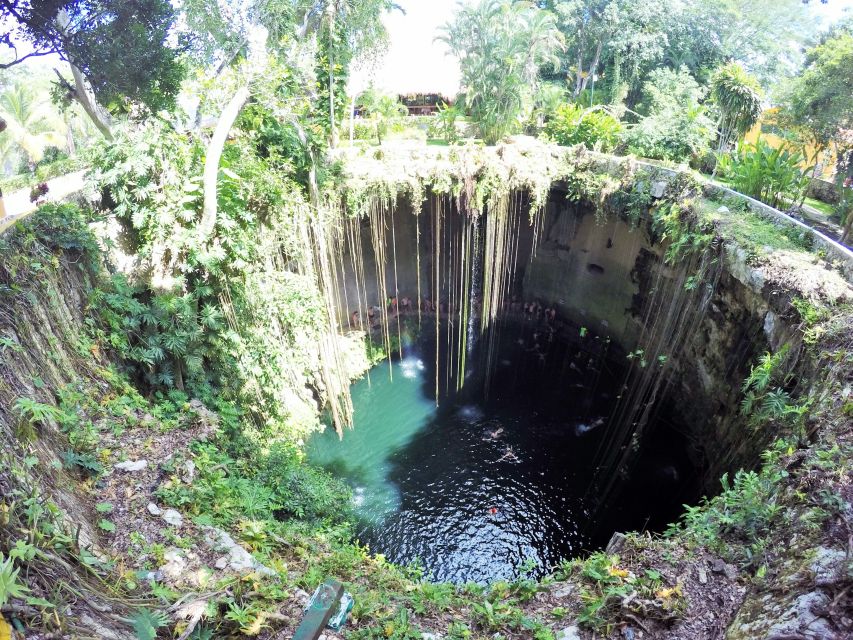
x=676, y=125
x=738, y=96
x=125, y=54
x=765, y=397
x=738, y=520
x=772, y=175
x=501, y=46
x=277, y=485
x=678, y=224
x=10, y=587
x=610, y=592
x=818, y=100
x=444, y=124
x=146, y=623
x=166, y=337
x=384, y=111
x=595, y=128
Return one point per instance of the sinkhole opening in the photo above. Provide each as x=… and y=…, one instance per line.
x=489, y=486
x=554, y=379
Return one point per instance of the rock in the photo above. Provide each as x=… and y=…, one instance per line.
x=237, y=558
x=176, y=565
x=723, y=209
x=429, y=635
x=569, y=633
x=718, y=566
x=221, y=563
x=173, y=518
x=131, y=466
x=154, y=510
x=616, y=544
x=563, y=591
x=659, y=189
x=828, y=566
x=703, y=575
x=302, y=597
x=187, y=471
x=803, y=619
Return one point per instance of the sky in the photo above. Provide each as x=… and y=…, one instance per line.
x=415, y=63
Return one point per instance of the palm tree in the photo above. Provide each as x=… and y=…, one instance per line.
x=738, y=96
x=32, y=125
x=383, y=110
x=501, y=47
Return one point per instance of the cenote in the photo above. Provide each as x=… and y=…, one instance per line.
x=501, y=481
x=560, y=379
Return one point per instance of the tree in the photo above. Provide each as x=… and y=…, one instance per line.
x=738, y=97
x=118, y=50
x=676, y=125
x=818, y=101
x=383, y=111
x=621, y=34
x=501, y=47
x=31, y=124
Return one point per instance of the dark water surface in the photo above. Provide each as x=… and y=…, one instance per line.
x=476, y=489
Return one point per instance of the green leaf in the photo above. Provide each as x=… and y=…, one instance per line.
x=104, y=507
x=146, y=623
x=107, y=526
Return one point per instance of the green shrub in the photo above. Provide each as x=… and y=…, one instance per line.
x=594, y=128
x=676, y=125
x=773, y=176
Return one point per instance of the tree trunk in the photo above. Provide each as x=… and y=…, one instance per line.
x=313, y=186
x=591, y=72
x=97, y=114
x=352, y=121
x=214, y=155
x=579, y=72
x=847, y=234
x=333, y=132
x=81, y=92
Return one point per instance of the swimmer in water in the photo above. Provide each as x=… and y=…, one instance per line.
x=509, y=455
x=494, y=435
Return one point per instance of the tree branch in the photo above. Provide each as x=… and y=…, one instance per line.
x=34, y=54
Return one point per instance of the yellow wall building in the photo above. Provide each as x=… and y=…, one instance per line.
x=771, y=133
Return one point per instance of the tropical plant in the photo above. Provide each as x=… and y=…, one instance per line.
x=32, y=124
x=384, y=111
x=10, y=587
x=595, y=127
x=444, y=123
x=112, y=57
x=676, y=125
x=818, y=100
x=738, y=97
x=501, y=47
x=774, y=176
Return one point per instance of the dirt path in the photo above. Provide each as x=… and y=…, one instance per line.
x=18, y=205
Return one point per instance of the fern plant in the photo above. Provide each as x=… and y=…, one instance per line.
x=146, y=623
x=765, y=398
x=9, y=585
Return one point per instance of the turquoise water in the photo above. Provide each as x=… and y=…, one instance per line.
x=476, y=489
x=390, y=408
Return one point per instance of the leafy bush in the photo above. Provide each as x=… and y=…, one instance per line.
x=165, y=337
x=443, y=124
x=594, y=128
x=773, y=176
x=744, y=512
x=676, y=126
